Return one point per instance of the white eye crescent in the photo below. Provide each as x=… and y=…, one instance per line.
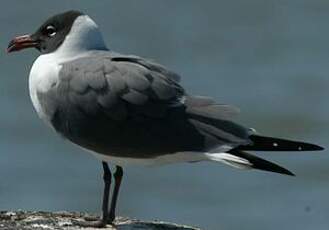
x=51, y=31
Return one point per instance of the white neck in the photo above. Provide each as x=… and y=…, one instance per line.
x=84, y=36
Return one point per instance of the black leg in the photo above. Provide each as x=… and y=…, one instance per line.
x=105, y=205
x=117, y=179
x=107, y=177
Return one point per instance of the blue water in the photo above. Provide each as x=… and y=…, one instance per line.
x=270, y=58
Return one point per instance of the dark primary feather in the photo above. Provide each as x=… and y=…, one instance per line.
x=262, y=143
x=125, y=105
x=261, y=164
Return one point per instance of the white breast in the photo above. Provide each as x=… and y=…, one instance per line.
x=43, y=76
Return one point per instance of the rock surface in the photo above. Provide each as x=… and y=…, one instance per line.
x=21, y=220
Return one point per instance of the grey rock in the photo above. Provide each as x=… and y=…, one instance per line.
x=24, y=220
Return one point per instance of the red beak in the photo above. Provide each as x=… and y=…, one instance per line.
x=21, y=42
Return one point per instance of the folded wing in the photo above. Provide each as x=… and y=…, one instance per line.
x=109, y=102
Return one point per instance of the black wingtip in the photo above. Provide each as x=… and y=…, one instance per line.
x=262, y=143
x=291, y=174
x=274, y=168
x=284, y=171
x=261, y=164
x=308, y=147
x=317, y=148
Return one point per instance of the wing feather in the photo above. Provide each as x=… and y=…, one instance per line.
x=108, y=101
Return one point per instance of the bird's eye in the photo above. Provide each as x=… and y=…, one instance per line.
x=50, y=31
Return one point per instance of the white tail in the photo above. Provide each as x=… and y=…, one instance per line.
x=229, y=159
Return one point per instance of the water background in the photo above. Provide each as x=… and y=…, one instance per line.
x=270, y=58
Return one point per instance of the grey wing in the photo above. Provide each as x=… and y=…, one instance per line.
x=120, y=105
x=151, y=65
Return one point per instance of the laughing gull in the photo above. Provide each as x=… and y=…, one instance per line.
x=125, y=109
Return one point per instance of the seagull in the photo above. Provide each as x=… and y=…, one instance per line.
x=127, y=110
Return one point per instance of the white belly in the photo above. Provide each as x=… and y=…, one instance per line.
x=178, y=157
x=171, y=158
x=157, y=161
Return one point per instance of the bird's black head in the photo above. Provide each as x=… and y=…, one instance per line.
x=49, y=36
